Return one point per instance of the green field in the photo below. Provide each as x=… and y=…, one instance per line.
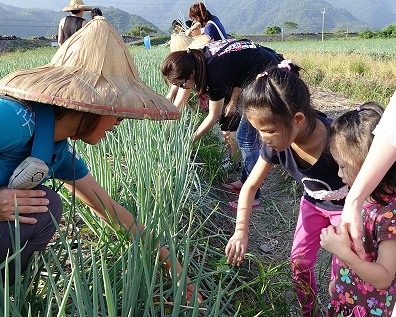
x=92, y=270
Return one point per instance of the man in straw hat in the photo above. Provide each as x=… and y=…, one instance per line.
x=72, y=23
x=86, y=90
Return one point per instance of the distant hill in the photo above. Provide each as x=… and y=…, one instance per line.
x=43, y=22
x=240, y=17
x=378, y=14
x=306, y=13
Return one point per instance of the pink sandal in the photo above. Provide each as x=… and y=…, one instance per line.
x=236, y=203
x=233, y=189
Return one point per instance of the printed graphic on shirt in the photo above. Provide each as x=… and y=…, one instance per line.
x=216, y=46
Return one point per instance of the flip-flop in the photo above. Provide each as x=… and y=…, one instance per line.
x=236, y=203
x=234, y=188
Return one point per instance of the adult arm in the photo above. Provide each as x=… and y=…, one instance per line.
x=60, y=31
x=181, y=98
x=215, y=109
x=171, y=95
x=379, y=274
x=232, y=105
x=378, y=161
x=88, y=190
x=29, y=201
x=237, y=245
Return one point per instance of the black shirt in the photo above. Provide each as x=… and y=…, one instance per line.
x=72, y=25
x=235, y=66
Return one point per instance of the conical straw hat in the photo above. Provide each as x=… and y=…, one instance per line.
x=92, y=71
x=180, y=42
x=199, y=41
x=76, y=5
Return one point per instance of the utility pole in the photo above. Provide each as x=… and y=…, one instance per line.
x=323, y=13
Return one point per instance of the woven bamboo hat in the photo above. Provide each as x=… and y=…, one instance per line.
x=92, y=71
x=181, y=42
x=199, y=41
x=76, y=5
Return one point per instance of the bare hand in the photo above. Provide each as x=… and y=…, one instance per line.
x=354, y=222
x=29, y=201
x=337, y=244
x=236, y=248
x=190, y=292
x=229, y=110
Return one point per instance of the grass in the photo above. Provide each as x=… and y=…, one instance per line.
x=93, y=269
x=363, y=70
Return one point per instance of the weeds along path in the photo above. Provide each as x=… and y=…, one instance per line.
x=272, y=225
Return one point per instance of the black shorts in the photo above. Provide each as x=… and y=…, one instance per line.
x=230, y=123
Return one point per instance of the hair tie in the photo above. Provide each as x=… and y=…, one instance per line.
x=285, y=64
x=262, y=75
x=358, y=109
x=188, y=51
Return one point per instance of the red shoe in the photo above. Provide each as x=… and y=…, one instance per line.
x=230, y=204
x=231, y=188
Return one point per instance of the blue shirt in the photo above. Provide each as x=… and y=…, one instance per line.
x=211, y=30
x=16, y=138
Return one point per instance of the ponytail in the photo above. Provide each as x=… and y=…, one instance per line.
x=181, y=64
x=198, y=10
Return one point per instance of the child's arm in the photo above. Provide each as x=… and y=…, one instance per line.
x=193, y=27
x=368, y=178
x=379, y=274
x=237, y=246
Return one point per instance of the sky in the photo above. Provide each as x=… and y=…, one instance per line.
x=58, y=5
x=138, y=7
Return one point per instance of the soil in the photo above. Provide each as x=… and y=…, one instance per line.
x=272, y=224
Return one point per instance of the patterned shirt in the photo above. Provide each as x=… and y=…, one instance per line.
x=352, y=295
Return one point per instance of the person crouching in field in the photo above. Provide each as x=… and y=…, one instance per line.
x=80, y=94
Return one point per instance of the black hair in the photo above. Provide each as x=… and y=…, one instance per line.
x=95, y=12
x=75, y=11
x=189, y=23
x=280, y=93
x=175, y=23
x=353, y=131
x=89, y=123
x=180, y=65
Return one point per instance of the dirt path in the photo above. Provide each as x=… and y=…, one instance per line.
x=272, y=225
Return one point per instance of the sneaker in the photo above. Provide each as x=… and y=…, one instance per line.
x=226, y=163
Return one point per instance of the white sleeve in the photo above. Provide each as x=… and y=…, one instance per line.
x=386, y=128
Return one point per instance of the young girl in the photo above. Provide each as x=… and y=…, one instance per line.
x=294, y=135
x=363, y=287
x=206, y=21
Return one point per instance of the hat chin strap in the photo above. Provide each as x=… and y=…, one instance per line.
x=75, y=137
